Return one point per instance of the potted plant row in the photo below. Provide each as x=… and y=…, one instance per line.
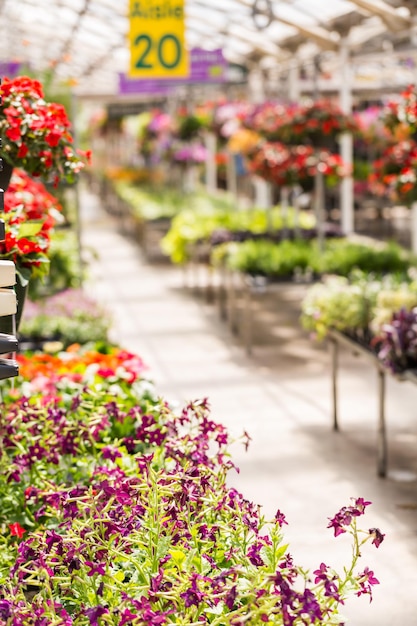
x=286, y=259
x=378, y=313
x=217, y=221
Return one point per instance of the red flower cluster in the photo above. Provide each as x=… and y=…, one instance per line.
x=396, y=172
x=402, y=112
x=288, y=166
x=316, y=123
x=268, y=119
x=30, y=212
x=36, y=134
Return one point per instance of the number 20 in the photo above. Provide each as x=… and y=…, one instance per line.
x=142, y=62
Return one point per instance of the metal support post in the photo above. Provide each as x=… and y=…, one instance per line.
x=211, y=167
x=346, y=140
x=319, y=207
x=382, y=433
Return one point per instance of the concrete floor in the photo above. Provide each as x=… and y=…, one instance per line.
x=281, y=396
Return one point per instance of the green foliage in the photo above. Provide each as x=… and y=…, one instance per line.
x=343, y=256
x=147, y=203
x=361, y=169
x=359, y=305
x=340, y=256
x=209, y=213
x=338, y=304
x=64, y=266
x=272, y=259
x=189, y=127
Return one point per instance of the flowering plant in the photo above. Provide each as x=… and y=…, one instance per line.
x=30, y=213
x=36, y=134
x=395, y=172
x=188, y=126
x=70, y=371
x=66, y=317
x=364, y=306
x=268, y=118
x=228, y=118
x=192, y=153
x=244, y=141
x=400, y=116
x=397, y=341
x=318, y=123
x=289, y=166
x=114, y=513
x=155, y=129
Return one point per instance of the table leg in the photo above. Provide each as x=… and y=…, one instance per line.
x=209, y=283
x=194, y=270
x=335, y=365
x=382, y=432
x=232, y=313
x=222, y=301
x=248, y=319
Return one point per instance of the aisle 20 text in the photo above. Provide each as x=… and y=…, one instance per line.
x=157, y=39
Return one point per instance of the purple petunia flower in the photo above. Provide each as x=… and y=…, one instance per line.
x=111, y=453
x=280, y=518
x=95, y=568
x=95, y=613
x=5, y=609
x=378, y=537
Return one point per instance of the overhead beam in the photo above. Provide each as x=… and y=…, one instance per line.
x=236, y=31
x=390, y=16
x=320, y=36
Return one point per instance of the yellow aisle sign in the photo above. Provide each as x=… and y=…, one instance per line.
x=157, y=39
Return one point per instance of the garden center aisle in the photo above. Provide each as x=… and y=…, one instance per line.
x=281, y=397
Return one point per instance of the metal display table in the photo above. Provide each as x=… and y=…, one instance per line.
x=337, y=339
x=250, y=288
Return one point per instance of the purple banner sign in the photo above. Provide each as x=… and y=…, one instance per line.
x=206, y=66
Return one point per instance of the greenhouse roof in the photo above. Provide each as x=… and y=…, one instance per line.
x=85, y=42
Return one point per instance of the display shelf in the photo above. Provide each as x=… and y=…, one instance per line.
x=336, y=340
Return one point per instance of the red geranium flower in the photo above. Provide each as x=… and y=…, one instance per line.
x=16, y=530
x=37, y=133
x=30, y=213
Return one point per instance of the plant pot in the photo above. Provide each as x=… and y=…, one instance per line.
x=6, y=322
x=5, y=175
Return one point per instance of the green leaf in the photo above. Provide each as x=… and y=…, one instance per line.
x=30, y=229
x=23, y=274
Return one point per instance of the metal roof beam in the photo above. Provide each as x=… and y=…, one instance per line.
x=320, y=36
x=237, y=31
x=388, y=14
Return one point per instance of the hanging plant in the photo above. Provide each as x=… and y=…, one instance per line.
x=30, y=213
x=36, y=133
